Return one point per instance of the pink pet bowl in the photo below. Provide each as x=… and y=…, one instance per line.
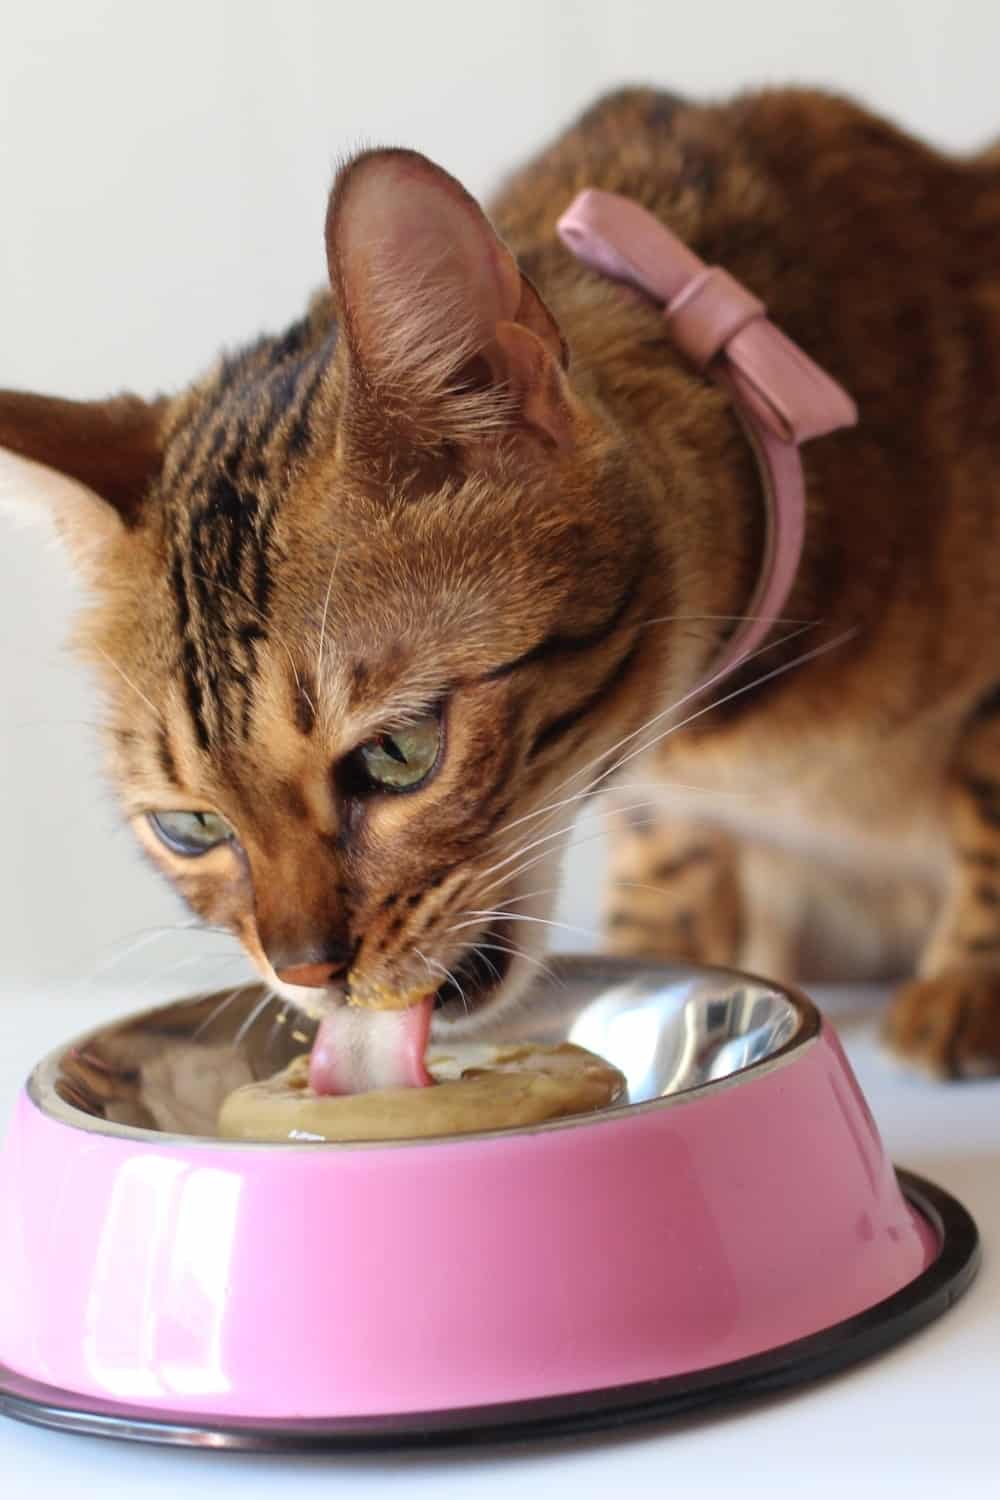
x=734, y=1228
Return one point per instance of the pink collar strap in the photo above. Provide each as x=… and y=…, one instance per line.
x=782, y=397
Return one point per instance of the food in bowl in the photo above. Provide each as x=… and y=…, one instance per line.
x=475, y=1087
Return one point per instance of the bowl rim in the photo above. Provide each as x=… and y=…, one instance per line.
x=40, y=1087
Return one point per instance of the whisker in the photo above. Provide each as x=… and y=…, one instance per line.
x=666, y=785
x=134, y=943
x=555, y=890
x=552, y=890
x=322, y=623
x=144, y=939
x=183, y=963
x=514, y=950
x=129, y=683
x=670, y=729
x=508, y=916
x=481, y=951
x=672, y=708
x=278, y=1021
x=252, y=1017
x=546, y=838
x=265, y=620
x=633, y=734
x=727, y=619
x=221, y=1008
x=673, y=728
x=779, y=671
x=92, y=724
x=434, y=967
x=575, y=843
x=518, y=952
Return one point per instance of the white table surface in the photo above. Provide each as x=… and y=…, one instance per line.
x=921, y=1417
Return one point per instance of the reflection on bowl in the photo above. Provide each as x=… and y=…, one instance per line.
x=740, y=1199
x=169, y=1069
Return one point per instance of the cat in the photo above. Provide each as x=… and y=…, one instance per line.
x=380, y=602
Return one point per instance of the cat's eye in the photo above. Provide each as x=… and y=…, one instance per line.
x=398, y=761
x=190, y=833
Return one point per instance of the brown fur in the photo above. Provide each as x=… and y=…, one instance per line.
x=434, y=507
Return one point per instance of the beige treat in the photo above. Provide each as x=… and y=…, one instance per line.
x=479, y=1088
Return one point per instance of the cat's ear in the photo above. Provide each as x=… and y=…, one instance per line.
x=88, y=465
x=448, y=340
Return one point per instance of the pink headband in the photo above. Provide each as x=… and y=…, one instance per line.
x=782, y=397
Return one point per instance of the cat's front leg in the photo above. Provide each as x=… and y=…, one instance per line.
x=947, y=1021
x=673, y=887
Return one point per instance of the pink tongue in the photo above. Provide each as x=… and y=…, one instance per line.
x=357, y=1049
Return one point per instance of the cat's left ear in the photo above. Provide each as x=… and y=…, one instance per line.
x=88, y=465
x=448, y=340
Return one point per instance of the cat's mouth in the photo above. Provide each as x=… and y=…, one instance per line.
x=478, y=975
x=359, y=1047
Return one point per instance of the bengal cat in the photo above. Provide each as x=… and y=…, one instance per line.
x=379, y=602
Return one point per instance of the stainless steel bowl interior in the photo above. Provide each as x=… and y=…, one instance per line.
x=671, y=1030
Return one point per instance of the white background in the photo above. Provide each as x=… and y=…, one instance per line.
x=163, y=172
x=163, y=169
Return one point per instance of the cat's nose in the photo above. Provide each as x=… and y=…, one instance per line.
x=313, y=971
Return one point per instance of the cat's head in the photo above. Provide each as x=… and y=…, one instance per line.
x=368, y=604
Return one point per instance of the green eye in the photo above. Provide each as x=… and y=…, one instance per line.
x=400, y=761
x=190, y=833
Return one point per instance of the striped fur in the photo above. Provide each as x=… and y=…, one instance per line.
x=476, y=478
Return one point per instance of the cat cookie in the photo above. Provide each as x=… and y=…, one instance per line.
x=476, y=1088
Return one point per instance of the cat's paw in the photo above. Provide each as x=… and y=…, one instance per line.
x=674, y=892
x=665, y=930
x=949, y=1026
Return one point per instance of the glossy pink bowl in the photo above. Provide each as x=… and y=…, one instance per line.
x=742, y=1201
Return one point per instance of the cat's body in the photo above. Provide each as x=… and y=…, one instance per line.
x=328, y=533
x=881, y=259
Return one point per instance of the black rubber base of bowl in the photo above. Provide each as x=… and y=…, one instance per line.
x=846, y=1343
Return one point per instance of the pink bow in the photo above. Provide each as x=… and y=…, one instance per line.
x=708, y=312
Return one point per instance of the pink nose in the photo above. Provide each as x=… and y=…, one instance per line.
x=312, y=976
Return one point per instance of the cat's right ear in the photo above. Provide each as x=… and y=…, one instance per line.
x=87, y=465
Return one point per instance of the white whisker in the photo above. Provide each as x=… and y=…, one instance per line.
x=554, y=890
x=134, y=944
x=690, y=719
x=508, y=916
x=252, y=1017
x=278, y=1021
x=633, y=786
x=798, y=661
x=727, y=619
x=481, y=952
x=434, y=967
x=221, y=1008
x=656, y=718
x=555, y=833
x=575, y=843
x=673, y=728
x=518, y=952
x=266, y=620
x=126, y=947
x=322, y=623
x=129, y=683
